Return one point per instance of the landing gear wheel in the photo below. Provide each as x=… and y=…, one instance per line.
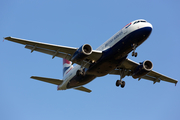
x=122, y=84
x=118, y=82
x=79, y=73
x=135, y=55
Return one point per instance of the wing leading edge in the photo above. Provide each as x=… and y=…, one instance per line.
x=130, y=65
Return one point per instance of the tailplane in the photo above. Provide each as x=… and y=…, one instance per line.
x=49, y=80
x=67, y=66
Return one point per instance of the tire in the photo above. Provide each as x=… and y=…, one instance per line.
x=135, y=54
x=132, y=53
x=78, y=73
x=122, y=84
x=118, y=82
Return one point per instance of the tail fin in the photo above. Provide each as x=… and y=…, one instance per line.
x=67, y=66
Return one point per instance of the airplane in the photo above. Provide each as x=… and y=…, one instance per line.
x=109, y=58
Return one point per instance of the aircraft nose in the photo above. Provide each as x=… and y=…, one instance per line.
x=150, y=27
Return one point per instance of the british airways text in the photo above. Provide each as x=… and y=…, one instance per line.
x=110, y=41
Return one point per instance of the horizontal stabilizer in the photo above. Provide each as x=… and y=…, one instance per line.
x=81, y=88
x=49, y=80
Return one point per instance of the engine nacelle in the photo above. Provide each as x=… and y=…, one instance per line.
x=142, y=69
x=83, y=52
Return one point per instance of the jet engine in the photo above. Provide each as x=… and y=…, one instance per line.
x=142, y=69
x=83, y=52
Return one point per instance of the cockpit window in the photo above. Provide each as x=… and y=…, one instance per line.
x=139, y=21
x=136, y=22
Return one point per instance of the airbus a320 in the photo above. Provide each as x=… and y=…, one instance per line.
x=109, y=58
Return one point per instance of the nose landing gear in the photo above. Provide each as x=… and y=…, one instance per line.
x=134, y=48
x=134, y=54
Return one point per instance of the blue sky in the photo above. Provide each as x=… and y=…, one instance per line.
x=74, y=23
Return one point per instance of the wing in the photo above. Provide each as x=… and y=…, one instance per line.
x=81, y=88
x=55, y=50
x=130, y=65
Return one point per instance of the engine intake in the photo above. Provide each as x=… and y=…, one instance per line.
x=83, y=52
x=142, y=69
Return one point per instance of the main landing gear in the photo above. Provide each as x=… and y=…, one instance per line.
x=134, y=48
x=134, y=54
x=120, y=82
x=80, y=73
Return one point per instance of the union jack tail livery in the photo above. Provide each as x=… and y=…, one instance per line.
x=67, y=66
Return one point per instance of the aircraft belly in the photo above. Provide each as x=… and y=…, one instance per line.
x=115, y=55
x=104, y=67
x=111, y=58
x=80, y=80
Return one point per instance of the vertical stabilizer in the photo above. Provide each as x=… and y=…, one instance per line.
x=67, y=66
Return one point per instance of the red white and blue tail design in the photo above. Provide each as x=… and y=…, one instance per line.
x=67, y=66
